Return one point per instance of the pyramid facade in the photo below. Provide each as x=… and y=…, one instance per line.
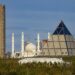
x=60, y=43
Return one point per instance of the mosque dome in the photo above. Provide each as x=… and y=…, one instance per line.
x=30, y=47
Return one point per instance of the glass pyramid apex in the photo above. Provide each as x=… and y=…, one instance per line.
x=61, y=29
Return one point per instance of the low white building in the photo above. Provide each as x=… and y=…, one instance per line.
x=42, y=60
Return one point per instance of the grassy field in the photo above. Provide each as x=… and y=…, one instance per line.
x=12, y=67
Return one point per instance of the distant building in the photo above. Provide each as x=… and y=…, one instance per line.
x=2, y=31
x=60, y=43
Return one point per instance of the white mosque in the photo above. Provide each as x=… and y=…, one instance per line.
x=28, y=50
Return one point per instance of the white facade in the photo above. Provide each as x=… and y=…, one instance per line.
x=30, y=50
x=42, y=60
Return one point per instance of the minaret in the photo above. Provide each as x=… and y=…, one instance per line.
x=22, y=44
x=38, y=43
x=48, y=36
x=13, y=50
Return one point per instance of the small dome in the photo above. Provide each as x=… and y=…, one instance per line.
x=30, y=47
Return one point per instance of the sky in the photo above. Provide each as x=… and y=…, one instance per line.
x=36, y=16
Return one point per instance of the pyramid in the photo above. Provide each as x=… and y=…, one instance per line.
x=61, y=29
